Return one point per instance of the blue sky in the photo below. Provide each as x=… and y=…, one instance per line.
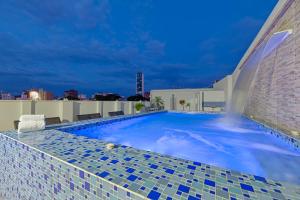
x=100, y=45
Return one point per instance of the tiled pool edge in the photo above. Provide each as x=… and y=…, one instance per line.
x=213, y=183
x=29, y=173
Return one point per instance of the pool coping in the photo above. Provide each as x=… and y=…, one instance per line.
x=204, y=167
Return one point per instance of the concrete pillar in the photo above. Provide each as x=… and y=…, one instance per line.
x=229, y=89
x=122, y=106
x=131, y=108
x=117, y=106
x=27, y=108
x=172, y=103
x=200, y=102
x=196, y=102
x=99, y=108
x=67, y=111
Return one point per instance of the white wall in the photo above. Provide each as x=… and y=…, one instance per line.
x=11, y=110
x=108, y=106
x=85, y=107
x=213, y=96
x=226, y=85
x=47, y=108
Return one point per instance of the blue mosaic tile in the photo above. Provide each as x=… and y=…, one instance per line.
x=153, y=166
x=130, y=170
x=246, y=187
x=191, y=167
x=262, y=179
x=103, y=174
x=169, y=171
x=114, y=161
x=183, y=188
x=193, y=198
x=209, y=182
x=153, y=195
x=132, y=177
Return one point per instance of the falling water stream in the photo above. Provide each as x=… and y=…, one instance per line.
x=242, y=92
x=248, y=72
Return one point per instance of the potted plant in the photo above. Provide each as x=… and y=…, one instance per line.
x=159, y=103
x=188, y=104
x=182, y=102
x=138, y=107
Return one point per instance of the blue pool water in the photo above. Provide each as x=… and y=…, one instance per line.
x=240, y=145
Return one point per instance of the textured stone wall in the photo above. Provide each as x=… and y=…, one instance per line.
x=274, y=96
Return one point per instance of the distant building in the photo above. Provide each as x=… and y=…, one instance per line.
x=47, y=95
x=39, y=94
x=6, y=96
x=82, y=97
x=18, y=97
x=106, y=97
x=147, y=95
x=24, y=95
x=140, y=83
x=71, y=93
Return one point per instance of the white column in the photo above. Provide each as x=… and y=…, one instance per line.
x=200, y=101
x=67, y=111
x=117, y=106
x=27, y=107
x=99, y=107
x=131, y=109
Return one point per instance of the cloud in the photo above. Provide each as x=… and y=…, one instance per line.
x=248, y=23
x=81, y=13
x=209, y=44
x=48, y=12
x=155, y=48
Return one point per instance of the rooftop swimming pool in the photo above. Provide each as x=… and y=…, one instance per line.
x=239, y=144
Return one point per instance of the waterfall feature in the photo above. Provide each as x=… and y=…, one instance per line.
x=247, y=75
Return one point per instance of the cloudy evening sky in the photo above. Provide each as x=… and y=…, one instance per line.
x=99, y=45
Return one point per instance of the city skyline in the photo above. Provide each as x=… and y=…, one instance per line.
x=71, y=92
x=99, y=46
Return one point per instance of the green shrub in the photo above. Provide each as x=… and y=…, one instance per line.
x=139, y=106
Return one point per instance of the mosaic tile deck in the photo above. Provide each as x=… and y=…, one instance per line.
x=82, y=168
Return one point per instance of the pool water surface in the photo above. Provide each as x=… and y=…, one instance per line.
x=237, y=144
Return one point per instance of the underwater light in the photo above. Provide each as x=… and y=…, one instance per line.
x=296, y=133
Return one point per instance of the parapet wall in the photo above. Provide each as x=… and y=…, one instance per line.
x=67, y=110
